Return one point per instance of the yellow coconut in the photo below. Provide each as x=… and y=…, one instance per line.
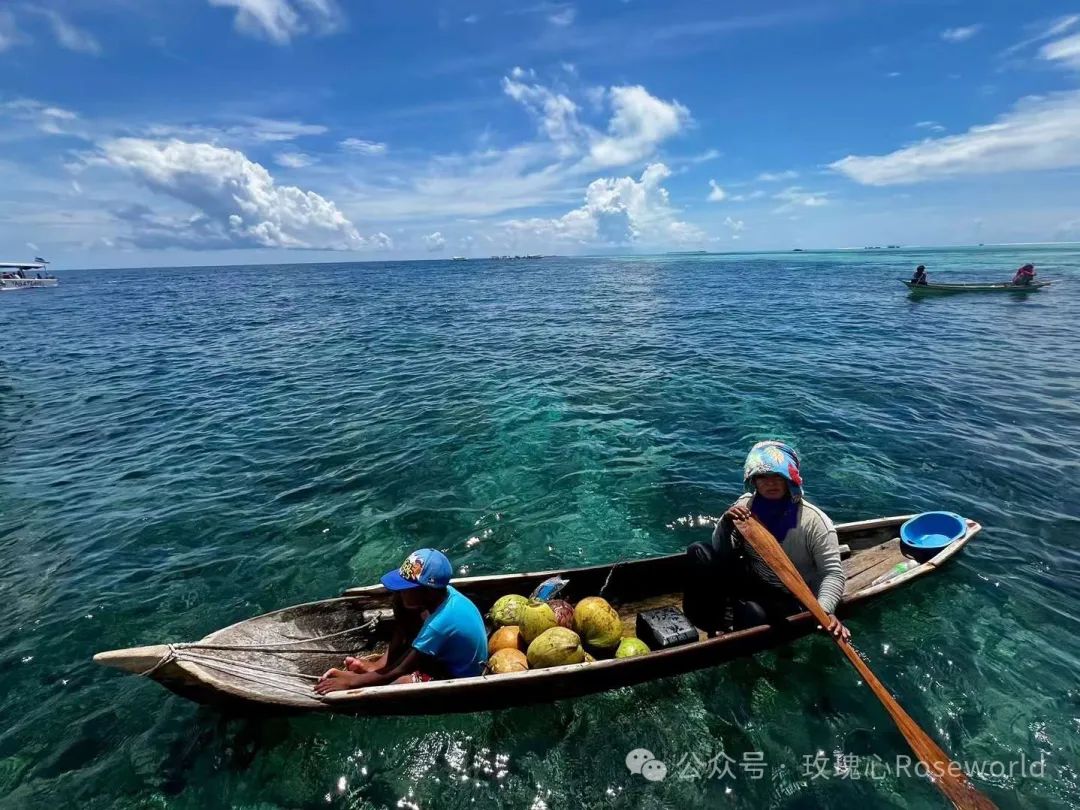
x=554, y=648
x=507, y=660
x=535, y=619
x=597, y=623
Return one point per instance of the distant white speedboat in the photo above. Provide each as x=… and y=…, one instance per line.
x=25, y=275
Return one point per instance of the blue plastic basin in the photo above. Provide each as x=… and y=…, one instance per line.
x=925, y=535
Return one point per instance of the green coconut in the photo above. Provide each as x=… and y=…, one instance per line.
x=555, y=647
x=508, y=659
x=631, y=648
x=507, y=610
x=598, y=623
x=536, y=617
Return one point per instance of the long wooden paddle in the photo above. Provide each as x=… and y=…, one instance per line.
x=946, y=775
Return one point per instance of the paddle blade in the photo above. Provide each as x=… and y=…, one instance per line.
x=947, y=775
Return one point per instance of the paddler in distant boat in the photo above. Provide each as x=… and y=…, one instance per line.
x=438, y=632
x=728, y=572
x=1024, y=276
x=920, y=275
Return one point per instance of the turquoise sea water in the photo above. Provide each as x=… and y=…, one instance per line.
x=182, y=449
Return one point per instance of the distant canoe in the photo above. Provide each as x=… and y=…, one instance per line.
x=269, y=664
x=935, y=289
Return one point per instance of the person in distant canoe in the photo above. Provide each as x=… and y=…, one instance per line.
x=438, y=632
x=920, y=275
x=728, y=573
x=1024, y=276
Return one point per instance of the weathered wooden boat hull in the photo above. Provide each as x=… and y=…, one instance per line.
x=945, y=289
x=220, y=677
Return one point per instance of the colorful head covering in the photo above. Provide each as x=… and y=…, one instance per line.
x=425, y=566
x=773, y=457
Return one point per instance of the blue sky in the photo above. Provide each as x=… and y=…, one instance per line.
x=182, y=132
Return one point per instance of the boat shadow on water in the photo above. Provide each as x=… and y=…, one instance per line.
x=1018, y=297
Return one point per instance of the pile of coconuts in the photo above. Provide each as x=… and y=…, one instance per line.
x=532, y=634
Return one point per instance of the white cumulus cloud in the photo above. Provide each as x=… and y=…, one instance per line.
x=641, y=121
x=716, y=193
x=236, y=201
x=735, y=225
x=359, y=146
x=961, y=33
x=617, y=211
x=556, y=114
x=1040, y=132
x=434, y=241
x=281, y=20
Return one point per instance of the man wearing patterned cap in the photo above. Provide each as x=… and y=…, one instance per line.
x=730, y=573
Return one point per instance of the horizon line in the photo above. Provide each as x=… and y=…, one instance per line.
x=662, y=254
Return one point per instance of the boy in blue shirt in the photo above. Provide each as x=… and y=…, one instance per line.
x=438, y=632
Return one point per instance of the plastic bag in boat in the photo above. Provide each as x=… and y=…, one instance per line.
x=549, y=588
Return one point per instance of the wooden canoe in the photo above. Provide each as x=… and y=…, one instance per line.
x=224, y=670
x=934, y=289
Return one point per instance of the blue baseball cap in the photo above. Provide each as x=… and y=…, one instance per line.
x=425, y=566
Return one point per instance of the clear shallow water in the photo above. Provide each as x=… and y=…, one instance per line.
x=184, y=449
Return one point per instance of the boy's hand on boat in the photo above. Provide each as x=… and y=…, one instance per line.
x=837, y=629
x=738, y=513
